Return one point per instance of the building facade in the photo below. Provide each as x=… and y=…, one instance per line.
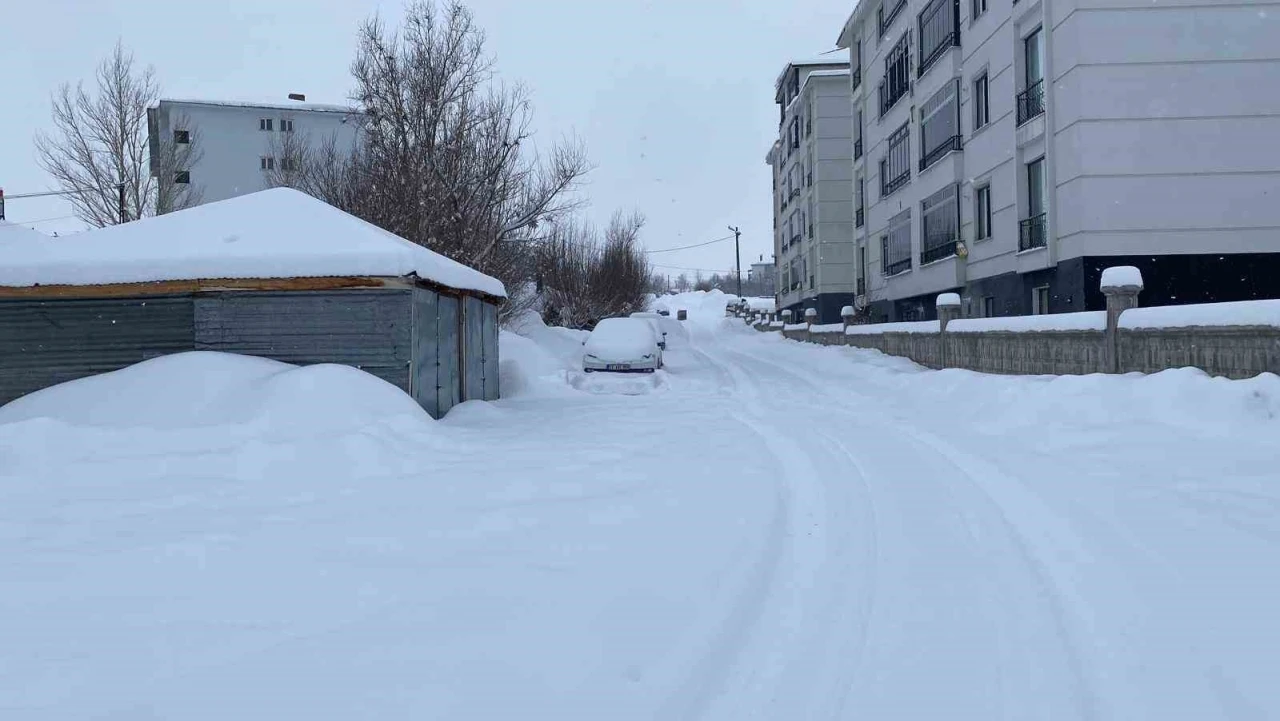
x=1010, y=150
x=812, y=188
x=241, y=147
x=762, y=278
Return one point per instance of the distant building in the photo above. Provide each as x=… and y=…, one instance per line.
x=762, y=277
x=812, y=187
x=1010, y=151
x=241, y=144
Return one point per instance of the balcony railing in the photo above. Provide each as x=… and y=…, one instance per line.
x=938, y=252
x=795, y=239
x=1031, y=102
x=887, y=16
x=859, y=218
x=946, y=146
x=891, y=185
x=898, y=266
x=1031, y=233
x=939, y=30
x=857, y=148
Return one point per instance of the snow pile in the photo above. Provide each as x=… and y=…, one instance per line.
x=12, y=234
x=922, y=326
x=1121, y=276
x=761, y=304
x=1239, y=313
x=1087, y=320
x=827, y=328
x=702, y=306
x=277, y=233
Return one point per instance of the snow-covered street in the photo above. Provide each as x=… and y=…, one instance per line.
x=766, y=530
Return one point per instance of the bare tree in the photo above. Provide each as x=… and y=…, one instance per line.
x=100, y=142
x=587, y=277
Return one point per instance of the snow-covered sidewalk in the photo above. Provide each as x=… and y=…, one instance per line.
x=775, y=531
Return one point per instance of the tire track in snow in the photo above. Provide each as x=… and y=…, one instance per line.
x=1065, y=608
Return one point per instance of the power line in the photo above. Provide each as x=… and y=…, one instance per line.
x=696, y=270
x=41, y=220
x=696, y=245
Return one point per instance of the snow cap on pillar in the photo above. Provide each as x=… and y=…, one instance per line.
x=810, y=312
x=946, y=300
x=847, y=310
x=1121, y=276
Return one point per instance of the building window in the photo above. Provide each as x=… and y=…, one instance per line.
x=855, y=66
x=264, y=123
x=1031, y=231
x=895, y=166
x=940, y=224
x=982, y=213
x=977, y=9
x=286, y=125
x=888, y=12
x=897, y=74
x=860, y=199
x=813, y=216
x=989, y=307
x=940, y=124
x=182, y=137
x=981, y=102
x=1040, y=300
x=895, y=244
x=812, y=266
x=267, y=163
x=862, y=270
x=288, y=165
x=939, y=30
x=1031, y=100
x=182, y=177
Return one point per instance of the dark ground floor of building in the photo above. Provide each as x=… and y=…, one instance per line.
x=828, y=306
x=1073, y=285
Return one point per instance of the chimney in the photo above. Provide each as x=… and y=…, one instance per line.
x=297, y=96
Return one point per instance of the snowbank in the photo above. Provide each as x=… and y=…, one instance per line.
x=827, y=328
x=11, y=233
x=1240, y=313
x=923, y=326
x=1087, y=320
x=277, y=233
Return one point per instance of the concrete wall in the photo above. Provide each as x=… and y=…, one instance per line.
x=1230, y=351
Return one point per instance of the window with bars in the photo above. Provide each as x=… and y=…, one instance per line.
x=940, y=124
x=895, y=166
x=939, y=30
x=897, y=74
x=940, y=224
x=895, y=244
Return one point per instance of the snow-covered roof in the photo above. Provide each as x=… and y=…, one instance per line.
x=266, y=105
x=277, y=233
x=835, y=57
x=10, y=232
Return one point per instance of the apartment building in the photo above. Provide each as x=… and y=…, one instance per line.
x=1010, y=150
x=812, y=187
x=243, y=144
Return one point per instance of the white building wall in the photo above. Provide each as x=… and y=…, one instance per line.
x=231, y=145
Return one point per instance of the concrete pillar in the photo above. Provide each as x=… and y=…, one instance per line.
x=786, y=317
x=1121, y=285
x=948, y=305
x=810, y=319
x=847, y=315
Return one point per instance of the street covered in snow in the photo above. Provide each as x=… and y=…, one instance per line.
x=763, y=530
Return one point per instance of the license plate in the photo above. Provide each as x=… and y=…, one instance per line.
x=618, y=367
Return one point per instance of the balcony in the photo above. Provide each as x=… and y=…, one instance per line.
x=897, y=266
x=890, y=94
x=939, y=31
x=1031, y=233
x=950, y=144
x=859, y=218
x=892, y=185
x=857, y=148
x=1031, y=102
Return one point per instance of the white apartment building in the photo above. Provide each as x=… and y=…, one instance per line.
x=812, y=188
x=1012, y=149
x=241, y=143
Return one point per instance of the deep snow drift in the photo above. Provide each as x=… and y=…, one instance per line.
x=787, y=532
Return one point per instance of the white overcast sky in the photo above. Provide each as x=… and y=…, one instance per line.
x=674, y=98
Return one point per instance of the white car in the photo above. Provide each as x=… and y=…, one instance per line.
x=622, y=345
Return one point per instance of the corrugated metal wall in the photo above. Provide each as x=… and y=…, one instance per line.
x=473, y=349
x=491, y=383
x=43, y=343
x=368, y=329
x=426, y=356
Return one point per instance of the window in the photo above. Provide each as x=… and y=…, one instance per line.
x=1031, y=231
x=1040, y=300
x=804, y=221
x=182, y=137
x=976, y=9
x=981, y=102
x=862, y=270
x=895, y=166
x=1031, y=54
x=813, y=216
x=267, y=163
x=939, y=30
x=812, y=265
x=897, y=74
x=940, y=224
x=182, y=177
x=982, y=213
x=940, y=124
x=860, y=200
x=288, y=165
x=264, y=123
x=855, y=69
x=1035, y=186
x=895, y=244
x=1031, y=100
x=889, y=12
x=286, y=125
x=989, y=307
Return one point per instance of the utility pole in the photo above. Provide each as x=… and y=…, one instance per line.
x=124, y=213
x=737, y=253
